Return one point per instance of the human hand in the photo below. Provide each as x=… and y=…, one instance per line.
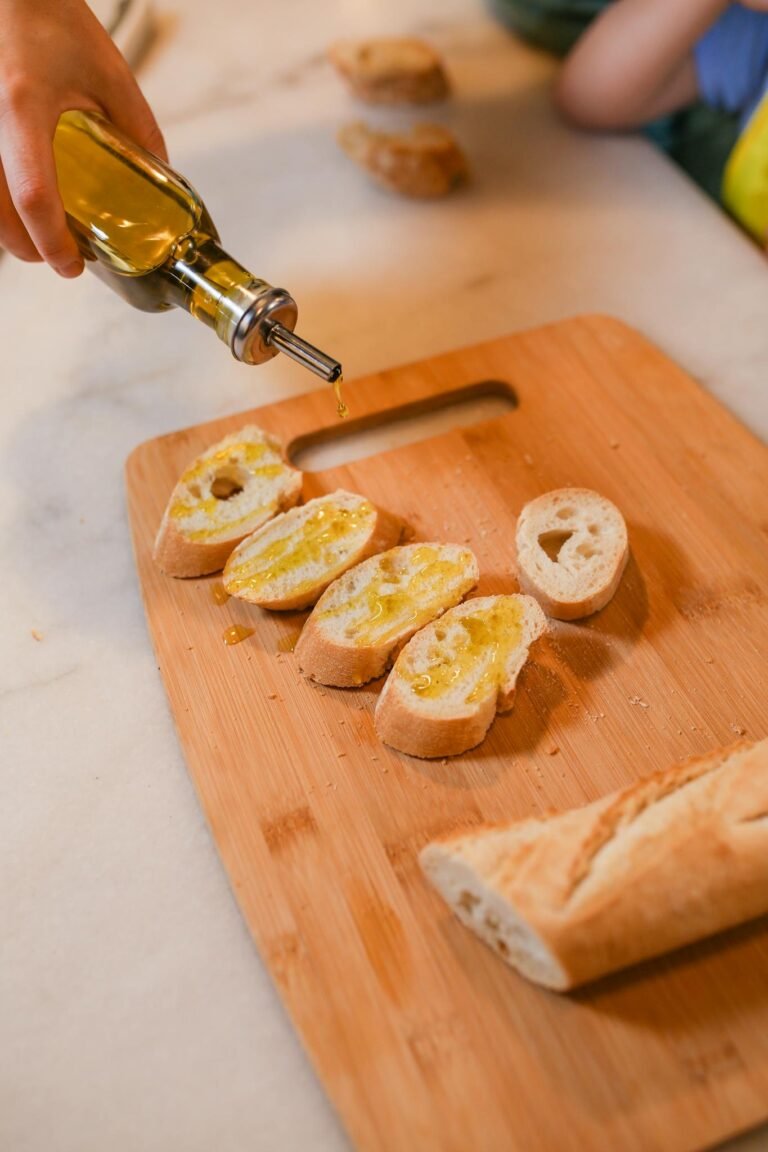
x=55, y=56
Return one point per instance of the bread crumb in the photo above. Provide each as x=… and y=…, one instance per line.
x=443, y=762
x=637, y=700
x=709, y=660
x=340, y=754
x=737, y=728
x=35, y=634
x=528, y=459
x=272, y=696
x=614, y=444
x=552, y=750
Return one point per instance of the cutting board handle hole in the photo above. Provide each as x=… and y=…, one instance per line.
x=355, y=439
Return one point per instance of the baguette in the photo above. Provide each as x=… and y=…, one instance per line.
x=290, y=562
x=572, y=550
x=366, y=615
x=572, y=897
x=453, y=676
x=425, y=163
x=225, y=494
x=390, y=70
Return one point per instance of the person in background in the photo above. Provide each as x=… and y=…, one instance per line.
x=55, y=56
x=692, y=73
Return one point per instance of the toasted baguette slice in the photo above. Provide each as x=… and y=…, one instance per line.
x=425, y=163
x=366, y=615
x=676, y=857
x=290, y=562
x=452, y=678
x=390, y=70
x=572, y=549
x=236, y=486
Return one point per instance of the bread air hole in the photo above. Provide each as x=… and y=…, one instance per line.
x=564, y=513
x=553, y=542
x=468, y=901
x=587, y=551
x=228, y=482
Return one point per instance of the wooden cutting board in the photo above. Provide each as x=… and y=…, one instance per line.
x=422, y=1037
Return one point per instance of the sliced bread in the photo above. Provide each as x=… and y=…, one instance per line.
x=366, y=615
x=232, y=489
x=565, y=899
x=390, y=70
x=572, y=549
x=424, y=163
x=453, y=676
x=290, y=562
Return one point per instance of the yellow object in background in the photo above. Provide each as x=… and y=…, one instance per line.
x=745, y=180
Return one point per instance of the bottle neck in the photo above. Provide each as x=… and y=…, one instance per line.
x=204, y=280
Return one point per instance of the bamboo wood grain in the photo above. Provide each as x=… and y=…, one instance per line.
x=421, y=1036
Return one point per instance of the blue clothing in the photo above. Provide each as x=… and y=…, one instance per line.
x=732, y=61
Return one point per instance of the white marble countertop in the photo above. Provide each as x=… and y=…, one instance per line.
x=135, y=1013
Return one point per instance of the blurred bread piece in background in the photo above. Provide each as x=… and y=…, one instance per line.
x=391, y=70
x=425, y=163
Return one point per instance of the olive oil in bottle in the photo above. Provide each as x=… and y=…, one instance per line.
x=145, y=231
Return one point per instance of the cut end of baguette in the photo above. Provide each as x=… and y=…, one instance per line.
x=228, y=492
x=390, y=70
x=370, y=611
x=453, y=676
x=288, y=564
x=425, y=163
x=572, y=549
x=462, y=869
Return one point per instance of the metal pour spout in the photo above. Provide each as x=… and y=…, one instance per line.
x=303, y=352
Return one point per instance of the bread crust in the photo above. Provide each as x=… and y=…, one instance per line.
x=676, y=857
x=403, y=724
x=390, y=70
x=575, y=588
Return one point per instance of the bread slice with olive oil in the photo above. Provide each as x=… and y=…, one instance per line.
x=572, y=549
x=453, y=676
x=290, y=562
x=229, y=491
x=364, y=617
